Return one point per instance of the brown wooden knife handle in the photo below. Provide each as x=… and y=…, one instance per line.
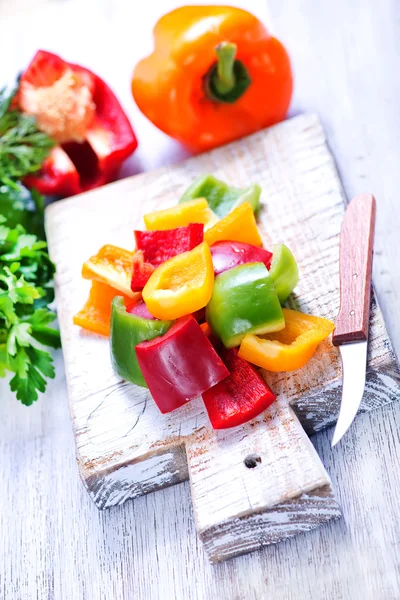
x=356, y=249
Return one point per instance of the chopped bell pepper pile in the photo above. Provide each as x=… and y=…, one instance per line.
x=196, y=309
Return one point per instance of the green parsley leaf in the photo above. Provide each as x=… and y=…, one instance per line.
x=31, y=366
x=18, y=289
x=47, y=336
x=7, y=311
x=19, y=335
x=42, y=361
x=23, y=148
x=3, y=359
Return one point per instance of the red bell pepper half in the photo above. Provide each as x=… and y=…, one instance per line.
x=227, y=255
x=238, y=398
x=180, y=365
x=141, y=272
x=159, y=246
x=77, y=109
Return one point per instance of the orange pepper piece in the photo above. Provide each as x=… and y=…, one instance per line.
x=194, y=211
x=237, y=226
x=96, y=314
x=112, y=266
x=182, y=285
x=206, y=329
x=288, y=349
x=216, y=75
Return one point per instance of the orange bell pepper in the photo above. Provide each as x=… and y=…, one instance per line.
x=238, y=226
x=113, y=266
x=194, y=211
x=288, y=349
x=215, y=75
x=182, y=285
x=96, y=314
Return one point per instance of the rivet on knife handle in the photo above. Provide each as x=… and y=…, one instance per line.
x=356, y=249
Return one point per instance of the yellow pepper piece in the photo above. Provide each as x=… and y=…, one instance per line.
x=181, y=285
x=194, y=211
x=237, y=226
x=113, y=266
x=288, y=349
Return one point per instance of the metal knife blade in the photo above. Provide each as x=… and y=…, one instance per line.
x=352, y=323
x=354, y=363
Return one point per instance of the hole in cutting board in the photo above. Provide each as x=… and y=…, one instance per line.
x=252, y=460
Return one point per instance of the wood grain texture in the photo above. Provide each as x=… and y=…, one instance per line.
x=54, y=543
x=125, y=446
x=273, y=487
x=355, y=258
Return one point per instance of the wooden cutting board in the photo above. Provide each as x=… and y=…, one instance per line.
x=256, y=484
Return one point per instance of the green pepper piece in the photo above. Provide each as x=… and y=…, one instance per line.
x=221, y=197
x=244, y=300
x=127, y=331
x=284, y=271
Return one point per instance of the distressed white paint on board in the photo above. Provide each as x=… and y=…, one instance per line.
x=117, y=424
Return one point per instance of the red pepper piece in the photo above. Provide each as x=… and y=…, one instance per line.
x=140, y=309
x=159, y=246
x=106, y=138
x=141, y=272
x=227, y=255
x=238, y=398
x=180, y=365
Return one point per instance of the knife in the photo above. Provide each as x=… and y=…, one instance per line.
x=352, y=322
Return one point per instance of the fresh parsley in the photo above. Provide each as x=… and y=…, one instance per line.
x=26, y=271
x=23, y=148
x=24, y=315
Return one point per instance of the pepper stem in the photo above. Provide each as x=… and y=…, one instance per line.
x=228, y=78
x=225, y=79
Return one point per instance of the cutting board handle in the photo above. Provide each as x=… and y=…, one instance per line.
x=244, y=496
x=356, y=250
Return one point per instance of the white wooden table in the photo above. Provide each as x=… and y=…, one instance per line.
x=53, y=542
